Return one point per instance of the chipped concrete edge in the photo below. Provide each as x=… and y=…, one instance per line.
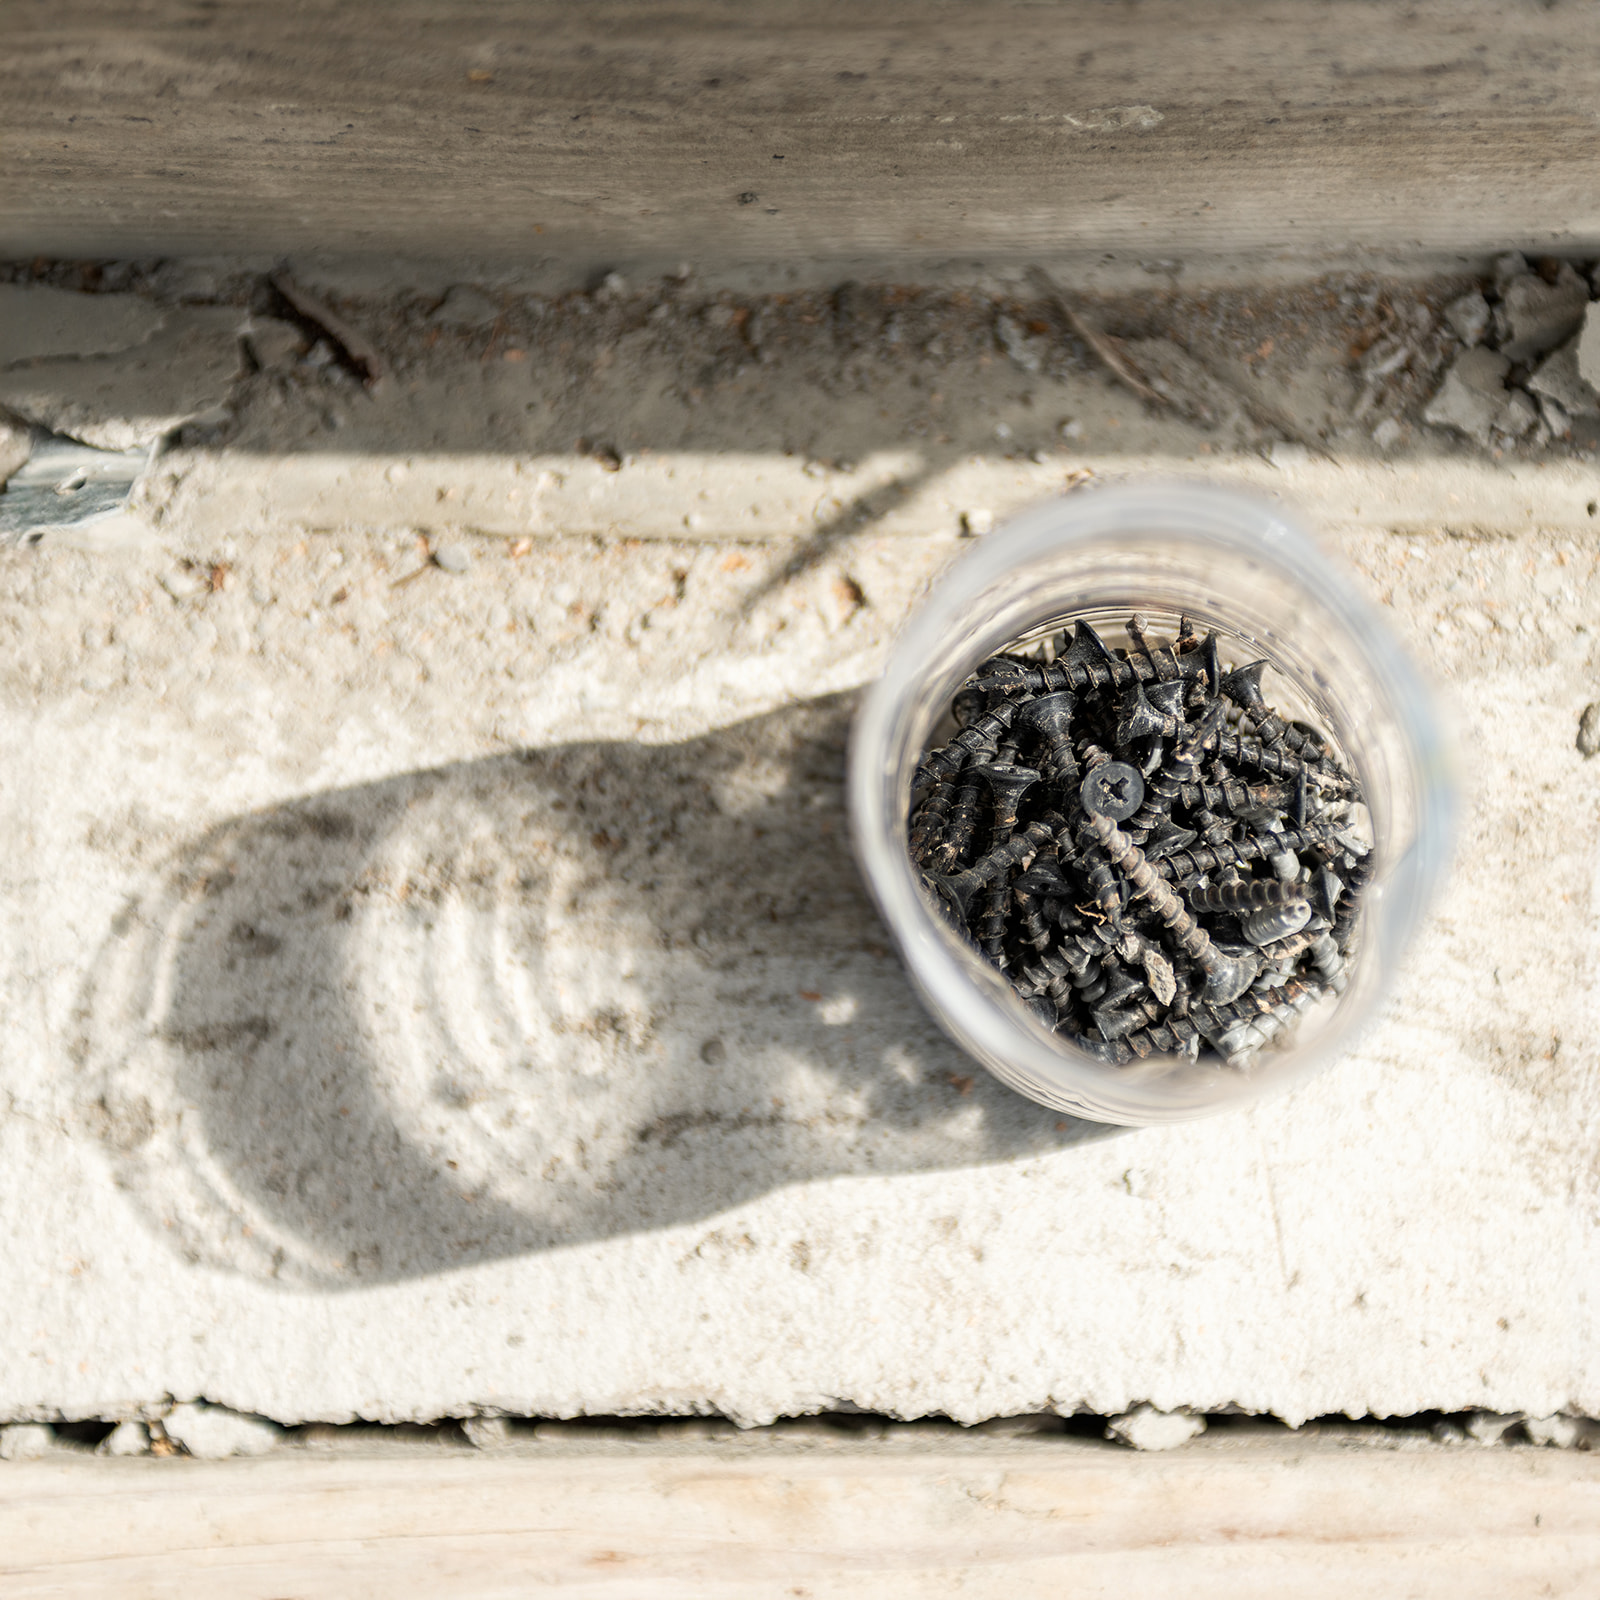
x=189, y=495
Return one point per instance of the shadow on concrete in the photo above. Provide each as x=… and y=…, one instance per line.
x=521, y=1003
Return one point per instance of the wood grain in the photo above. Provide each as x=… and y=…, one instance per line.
x=770, y=130
x=1051, y=1520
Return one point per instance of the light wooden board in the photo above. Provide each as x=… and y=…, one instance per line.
x=1212, y=1522
x=776, y=130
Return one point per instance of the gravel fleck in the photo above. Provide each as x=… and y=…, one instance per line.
x=454, y=558
x=1145, y=1428
x=1469, y=317
x=487, y=1433
x=1589, y=729
x=182, y=584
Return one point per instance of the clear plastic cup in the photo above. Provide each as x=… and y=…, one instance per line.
x=1232, y=564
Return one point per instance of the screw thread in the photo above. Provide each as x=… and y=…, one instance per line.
x=1143, y=879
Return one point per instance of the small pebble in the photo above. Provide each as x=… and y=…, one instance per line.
x=25, y=1441
x=182, y=584
x=454, y=558
x=1589, y=729
x=1469, y=317
x=487, y=1433
x=1145, y=1428
x=1388, y=433
x=977, y=522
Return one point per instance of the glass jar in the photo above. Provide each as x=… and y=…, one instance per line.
x=1229, y=563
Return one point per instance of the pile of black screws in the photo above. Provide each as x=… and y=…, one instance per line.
x=1158, y=861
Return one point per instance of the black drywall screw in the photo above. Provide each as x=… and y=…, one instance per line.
x=1113, y=789
x=1235, y=797
x=979, y=735
x=1226, y=976
x=1049, y=720
x=1179, y=767
x=1007, y=784
x=1184, y=864
x=1267, y=911
x=1278, y=763
x=959, y=888
x=1243, y=687
x=963, y=825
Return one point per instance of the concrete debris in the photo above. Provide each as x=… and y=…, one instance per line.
x=275, y=345
x=456, y=558
x=467, y=309
x=1557, y=378
x=128, y=1438
x=487, y=1433
x=1518, y=416
x=1145, y=1428
x=1589, y=730
x=64, y=488
x=25, y=1441
x=1589, y=349
x=977, y=521
x=1388, y=434
x=1556, y=421
x=213, y=1432
x=130, y=397
x=1472, y=397
x=1469, y=317
x=1536, y=316
x=1489, y=1427
x=1562, y=1432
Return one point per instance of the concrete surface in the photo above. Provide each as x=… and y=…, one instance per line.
x=435, y=977
x=1249, y=1519
x=604, y=134
x=434, y=993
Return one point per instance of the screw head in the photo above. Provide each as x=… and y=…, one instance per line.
x=1113, y=791
x=967, y=706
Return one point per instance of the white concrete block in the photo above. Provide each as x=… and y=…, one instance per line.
x=453, y=998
